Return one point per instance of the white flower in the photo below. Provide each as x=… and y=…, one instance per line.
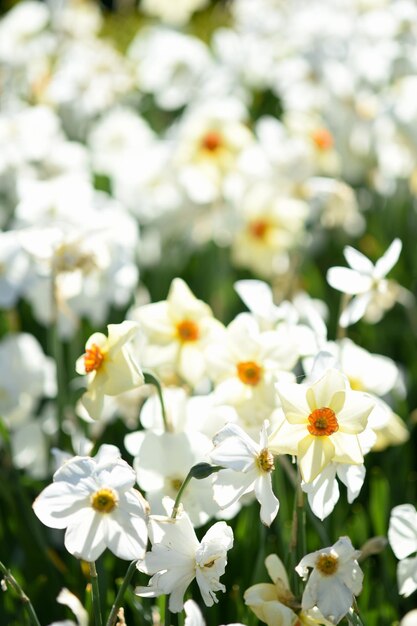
x=373, y=293
x=251, y=466
x=402, y=535
x=324, y=421
x=178, y=331
x=177, y=557
x=194, y=617
x=109, y=365
x=335, y=580
x=410, y=619
x=94, y=499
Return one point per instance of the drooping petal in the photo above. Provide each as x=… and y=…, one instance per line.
x=266, y=498
x=229, y=486
x=353, y=477
x=323, y=492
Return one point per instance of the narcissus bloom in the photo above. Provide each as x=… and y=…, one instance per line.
x=402, y=535
x=323, y=423
x=177, y=557
x=251, y=465
x=178, y=330
x=335, y=580
x=275, y=604
x=109, y=365
x=94, y=499
x=373, y=293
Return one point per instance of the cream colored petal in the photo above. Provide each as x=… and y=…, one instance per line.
x=353, y=417
x=314, y=453
x=119, y=334
x=293, y=400
x=123, y=374
x=347, y=448
x=276, y=569
x=329, y=387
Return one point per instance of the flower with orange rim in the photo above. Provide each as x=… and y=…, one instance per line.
x=323, y=421
x=109, y=366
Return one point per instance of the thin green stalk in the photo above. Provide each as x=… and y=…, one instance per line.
x=298, y=542
x=120, y=594
x=151, y=379
x=96, y=594
x=9, y=578
x=341, y=331
x=179, y=494
x=353, y=616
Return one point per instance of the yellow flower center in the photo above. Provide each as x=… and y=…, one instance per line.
x=212, y=141
x=104, y=500
x=323, y=422
x=322, y=138
x=266, y=461
x=258, y=229
x=187, y=330
x=249, y=372
x=327, y=564
x=93, y=358
x=176, y=483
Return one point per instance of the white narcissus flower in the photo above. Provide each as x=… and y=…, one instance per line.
x=373, y=293
x=194, y=617
x=178, y=331
x=177, y=557
x=251, y=465
x=402, y=535
x=109, y=365
x=324, y=421
x=94, y=499
x=335, y=580
x=275, y=604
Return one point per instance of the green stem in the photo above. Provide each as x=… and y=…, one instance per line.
x=8, y=577
x=96, y=594
x=120, y=594
x=353, y=616
x=179, y=494
x=341, y=331
x=151, y=379
x=298, y=542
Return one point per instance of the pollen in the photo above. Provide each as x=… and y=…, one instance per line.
x=104, y=500
x=327, y=564
x=249, y=372
x=322, y=138
x=93, y=358
x=322, y=422
x=266, y=461
x=187, y=330
x=258, y=229
x=212, y=141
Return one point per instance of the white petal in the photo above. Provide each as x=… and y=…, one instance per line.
x=388, y=259
x=294, y=403
x=355, y=310
x=257, y=296
x=328, y=391
x=266, y=498
x=323, y=492
x=84, y=537
x=229, y=486
x=407, y=576
x=348, y=281
x=353, y=477
x=193, y=615
x=126, y=531
x=358, y=261
x=402, y=532
x=59, y=503
x=314, y=453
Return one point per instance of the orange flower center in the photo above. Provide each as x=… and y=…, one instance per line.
x=249, y=372
x=212, y=141
x=322, y=138
x=266, y=461
x=188, y=330
x=93, y=358
x=323, y=422
x=104, y=500
x=327, y=564
x=258, y=229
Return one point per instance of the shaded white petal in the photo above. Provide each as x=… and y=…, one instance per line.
x=84, y=537
x=328, y=391
x=294, y=403
x=407, y=576
x=59, y=503
x=353, y=477
x=334, y=599
x=347, y=448
x=193, y=615
x=229, y=486
x=323, y=492
x=402, y=532
x=353, y=417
